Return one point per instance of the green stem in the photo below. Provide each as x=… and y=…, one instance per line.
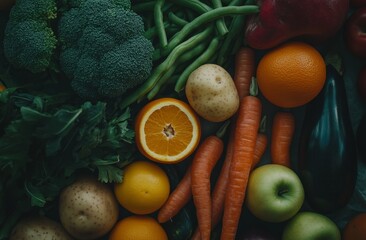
x=253, y=89
x=223, y=128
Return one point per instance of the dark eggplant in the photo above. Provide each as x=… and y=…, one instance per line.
x=327, y=151
x=361, y=139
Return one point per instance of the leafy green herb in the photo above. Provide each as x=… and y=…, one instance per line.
x=47, y=140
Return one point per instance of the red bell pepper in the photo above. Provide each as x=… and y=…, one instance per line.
x=355, y=30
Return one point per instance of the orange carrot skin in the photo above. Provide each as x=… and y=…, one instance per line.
x=260, y=148
x=179, y=197
x=283, y=128
x=247, y=125
x=203, y=163
x=244, y=70
x=218, y=194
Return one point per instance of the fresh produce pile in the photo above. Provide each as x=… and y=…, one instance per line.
x=182, y=119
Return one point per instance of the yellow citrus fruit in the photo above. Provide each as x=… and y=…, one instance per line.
x=167, y=130
x=138, y=228
x=144, y=189
x=291, y=74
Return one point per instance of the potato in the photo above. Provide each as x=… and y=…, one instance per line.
x=88, y=208
x=211, y=92
x=38, y=228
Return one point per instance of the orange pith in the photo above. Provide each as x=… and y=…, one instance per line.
x=167, y=130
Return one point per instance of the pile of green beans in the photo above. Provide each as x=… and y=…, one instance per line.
x=187, y=34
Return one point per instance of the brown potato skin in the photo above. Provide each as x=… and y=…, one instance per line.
x=88, y=208
x=211, y=92
x=38, y=228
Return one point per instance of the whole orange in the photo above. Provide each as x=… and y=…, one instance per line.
x=355, y=228
x=144, y=189
x=138, y=228
x=291, y=74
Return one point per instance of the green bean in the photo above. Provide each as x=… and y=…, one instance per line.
x=201, y=7
x=204, y=18
x=194, y=52
x=196, y=5
x=236, y=26
x=221, y=25
x=176, y=20
x=202, y=59
x=172, y=29
x=160, y=70
x=180, y=63
x=159, y=22
x=152, y=32
x=163, y=79
x=241, y=2
x=237, y=3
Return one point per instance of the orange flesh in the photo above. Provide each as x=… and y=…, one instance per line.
x=168, y=131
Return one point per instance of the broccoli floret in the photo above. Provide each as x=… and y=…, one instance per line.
x=103, y=50
x=29, y=41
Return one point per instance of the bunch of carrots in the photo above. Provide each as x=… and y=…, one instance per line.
x=246, y=145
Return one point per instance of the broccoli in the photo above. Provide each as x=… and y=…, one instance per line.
x=103, y=50
x=29, y=41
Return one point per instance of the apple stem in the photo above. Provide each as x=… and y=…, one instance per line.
x=282, y=192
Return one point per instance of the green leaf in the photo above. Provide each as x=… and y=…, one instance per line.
x=109, y=174
x=108, y=168
x=37, y=198
x=5, y=95
x=32, y=115
x=59, y=123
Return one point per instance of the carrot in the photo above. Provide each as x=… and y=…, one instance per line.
x=261, y=142
x=179, y=197
x=218, y=194
x=244, y=70
x=283, y=128
x=243, y=74
x=203, y=163
x=246, y=132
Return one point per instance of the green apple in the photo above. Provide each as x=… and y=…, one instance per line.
x=274, y=193
x=311, y=226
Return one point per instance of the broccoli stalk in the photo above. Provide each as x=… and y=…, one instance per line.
x=103, y=50
x=29, y=41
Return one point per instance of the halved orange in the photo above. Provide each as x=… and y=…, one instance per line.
x=167, y=130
